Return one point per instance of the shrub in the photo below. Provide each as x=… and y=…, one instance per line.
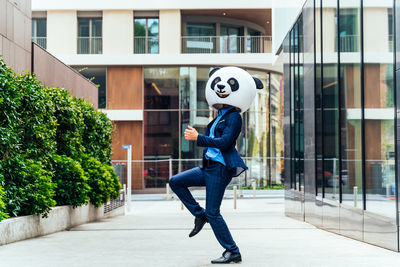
x=28, y=187
x=70, y=123
x=3, y=214
x=72, y=184
x=97, y=132
x=103, y=181
x=37, y=123
x=10, y=104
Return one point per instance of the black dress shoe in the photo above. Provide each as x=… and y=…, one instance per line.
x=198, y=225
x=228, y=257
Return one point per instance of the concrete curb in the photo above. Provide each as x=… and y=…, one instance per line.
x=60, y=218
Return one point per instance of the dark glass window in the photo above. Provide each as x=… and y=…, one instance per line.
x=98, y=77
x=161, y=88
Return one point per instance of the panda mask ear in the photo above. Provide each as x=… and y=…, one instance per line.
x=259, y=84
x=212, y=72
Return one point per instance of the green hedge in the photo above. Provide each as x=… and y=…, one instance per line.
x=54, y=148
x=29, y=188
x=102, y=180
x=3, y=213
x=72, y=183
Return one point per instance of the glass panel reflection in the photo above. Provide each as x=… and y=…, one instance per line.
x=350, y=96
x=379, y=120
x=330, y=98
x=161, y=88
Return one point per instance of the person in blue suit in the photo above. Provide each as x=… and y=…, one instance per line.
x=230, y=90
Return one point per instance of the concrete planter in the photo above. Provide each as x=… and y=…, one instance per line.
x=59, y=219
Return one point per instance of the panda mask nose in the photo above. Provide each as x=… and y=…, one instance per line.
x=220, y=86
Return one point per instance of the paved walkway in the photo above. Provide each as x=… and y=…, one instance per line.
x=156, y=234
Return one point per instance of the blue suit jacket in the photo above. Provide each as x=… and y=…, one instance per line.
x=226, y=132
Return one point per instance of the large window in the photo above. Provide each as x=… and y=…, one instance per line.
x=146, y=36
x=90, y=36
x=216, y=37
x=39, y=31
x=175, y=98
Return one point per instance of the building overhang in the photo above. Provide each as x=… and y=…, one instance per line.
x=39, y=5
x=263, y=61
x=124, y=114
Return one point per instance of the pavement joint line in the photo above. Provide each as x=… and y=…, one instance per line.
x=178, y=229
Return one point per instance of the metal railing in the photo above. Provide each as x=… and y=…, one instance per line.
x=40, y=41
x=113, y=204
x=90, y=45
x=145, y=45
x=156, y=172
x=226, y=44
x=349, y=43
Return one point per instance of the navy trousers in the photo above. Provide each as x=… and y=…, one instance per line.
x=215, y=177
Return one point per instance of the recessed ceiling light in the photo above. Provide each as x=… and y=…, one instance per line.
x=224, y=13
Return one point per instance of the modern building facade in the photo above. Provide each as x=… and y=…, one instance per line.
x=19, y=53
x=341, y=137
x=151, y=61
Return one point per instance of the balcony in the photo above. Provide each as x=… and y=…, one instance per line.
x=40, y=41
x=146, y=45
x=90, y=45
x=226, y=44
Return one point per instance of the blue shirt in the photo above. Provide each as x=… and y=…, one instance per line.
x=212, y=152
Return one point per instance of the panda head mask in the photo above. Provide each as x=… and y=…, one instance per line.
x=231, y=86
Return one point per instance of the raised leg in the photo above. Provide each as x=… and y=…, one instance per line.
x=179, y=184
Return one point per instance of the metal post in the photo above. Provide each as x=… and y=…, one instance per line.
x=129, y=174
x=355, y=193
x=388, y=189
x=168, y=192
x=129, y=177
x=254, y=185
x=170, y=167
x=234, y=196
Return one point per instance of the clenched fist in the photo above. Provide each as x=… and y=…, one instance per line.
x=191, y=134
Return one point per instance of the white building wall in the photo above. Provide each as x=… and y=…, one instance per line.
x=117, y=32
x=62, y=32
x=170, y=31
x=376, y=21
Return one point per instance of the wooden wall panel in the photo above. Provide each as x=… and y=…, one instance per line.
x=124, y=88
x=129, y=133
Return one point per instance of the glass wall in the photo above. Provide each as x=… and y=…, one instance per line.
x=350, y=102
x=379, y=116
x=354, y=104
x=175, y=98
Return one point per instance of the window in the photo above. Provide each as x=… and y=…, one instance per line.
x=39, y=31
x=146, y=36
x=349, y=33
x=90, y=36
x=96, y=75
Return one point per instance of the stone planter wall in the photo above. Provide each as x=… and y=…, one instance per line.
x=59, y=219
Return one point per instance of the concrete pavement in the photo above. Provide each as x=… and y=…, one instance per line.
x=156, y=234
